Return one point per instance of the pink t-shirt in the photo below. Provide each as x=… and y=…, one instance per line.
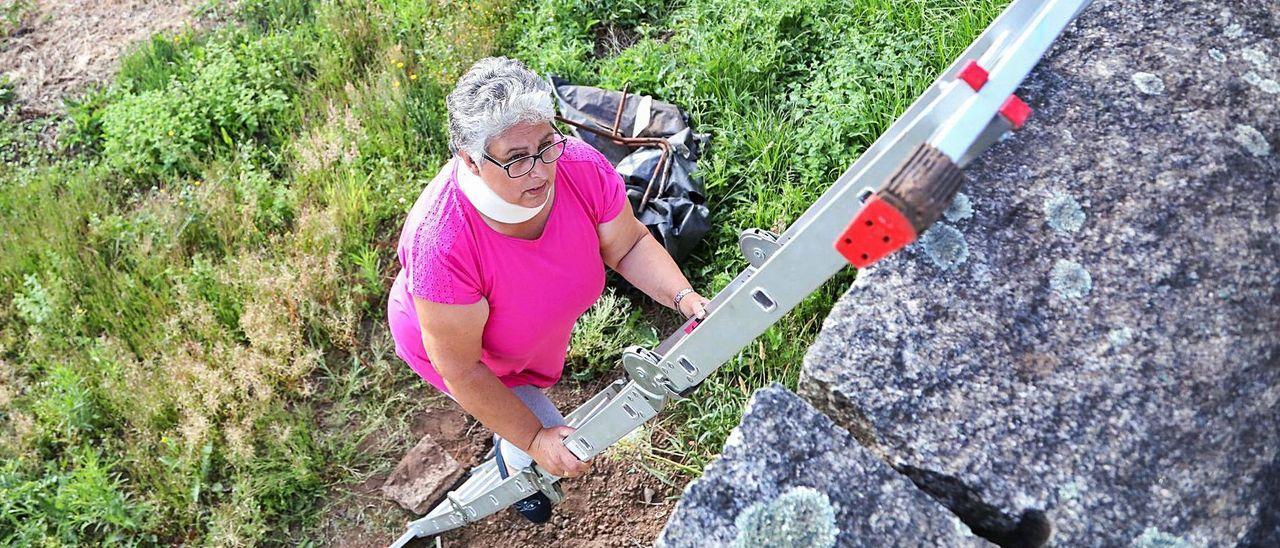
x=536, y=289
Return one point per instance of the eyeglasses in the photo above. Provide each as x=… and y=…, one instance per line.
x=521, y=166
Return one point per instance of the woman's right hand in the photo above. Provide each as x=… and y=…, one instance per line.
x=549, y=452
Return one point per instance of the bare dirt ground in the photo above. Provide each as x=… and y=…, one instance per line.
x=61, y=46
x=607, y=508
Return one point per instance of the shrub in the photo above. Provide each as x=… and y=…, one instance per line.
x=81, y=503
x=234, y=91
x=594, y=347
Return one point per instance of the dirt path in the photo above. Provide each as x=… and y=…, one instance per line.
x=606, y=508
x=63, y=45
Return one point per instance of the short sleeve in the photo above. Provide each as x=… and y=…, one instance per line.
x=604, y=190
x=442, y=268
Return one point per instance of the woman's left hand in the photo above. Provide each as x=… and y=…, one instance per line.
x=694, y=305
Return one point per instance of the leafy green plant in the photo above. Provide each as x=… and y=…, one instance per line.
x=233, y=91
x=594, y=346
x=154, y=63
x=83, y=503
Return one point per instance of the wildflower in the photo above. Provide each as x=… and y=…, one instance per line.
x=171, y=133
x=395, y=84
x=413, y=77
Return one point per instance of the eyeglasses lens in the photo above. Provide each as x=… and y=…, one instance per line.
x=524, y=165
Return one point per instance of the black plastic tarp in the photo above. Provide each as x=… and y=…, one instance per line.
x=671, y=204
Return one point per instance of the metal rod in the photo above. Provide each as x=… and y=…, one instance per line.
x=661, y=171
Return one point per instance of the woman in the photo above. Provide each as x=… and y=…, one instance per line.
x=503, y=251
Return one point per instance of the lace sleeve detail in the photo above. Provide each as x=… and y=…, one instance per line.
x=603, y=184
x=439, y=270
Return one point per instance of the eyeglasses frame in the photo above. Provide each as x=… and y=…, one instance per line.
x=537, y=156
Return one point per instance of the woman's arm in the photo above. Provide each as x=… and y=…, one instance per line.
x=629, y=249
x=452, y=340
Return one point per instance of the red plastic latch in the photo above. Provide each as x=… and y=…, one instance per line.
x=973, y=74
x=689, y=328
x=1015, y=111
x=879, y=229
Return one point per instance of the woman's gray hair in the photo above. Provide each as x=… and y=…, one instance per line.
x=495, y=94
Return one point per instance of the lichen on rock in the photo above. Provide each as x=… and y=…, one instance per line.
x=945, y=246
x=788, y=476
x=1155, y=538
x=1267, y=85
x=961, y=208
x=1252, y=140
x=1148, y=83
x=1063, y=213
x=1070, y=280
x=800, y=517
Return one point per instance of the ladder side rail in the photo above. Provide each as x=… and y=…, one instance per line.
x=799, y=266
x=1006, y=73
x=757, y=299
x=807, y=260
x=1015, y=17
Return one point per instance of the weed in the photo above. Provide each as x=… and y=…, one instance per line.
x=594, y=347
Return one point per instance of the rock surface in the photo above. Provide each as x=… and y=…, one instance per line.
x=785, y=455
x=422, y=476
x=1106, y=358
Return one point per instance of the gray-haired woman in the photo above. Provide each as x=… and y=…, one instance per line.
x=503, y=251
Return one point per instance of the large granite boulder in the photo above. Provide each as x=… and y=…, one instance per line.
x=789, y=477
x=1089, y=343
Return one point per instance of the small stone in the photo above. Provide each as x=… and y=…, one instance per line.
x=648, y=494
x=1148, y=83
x=1233, y=31
x=1217, y=55
x=422, y=476
x=1252, y=140
x=1070, y=280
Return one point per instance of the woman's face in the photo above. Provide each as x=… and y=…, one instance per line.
x=522, y=139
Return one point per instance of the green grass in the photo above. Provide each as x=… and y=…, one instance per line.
x=192, y=279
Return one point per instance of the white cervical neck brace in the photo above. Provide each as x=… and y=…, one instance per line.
x=490, y=204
